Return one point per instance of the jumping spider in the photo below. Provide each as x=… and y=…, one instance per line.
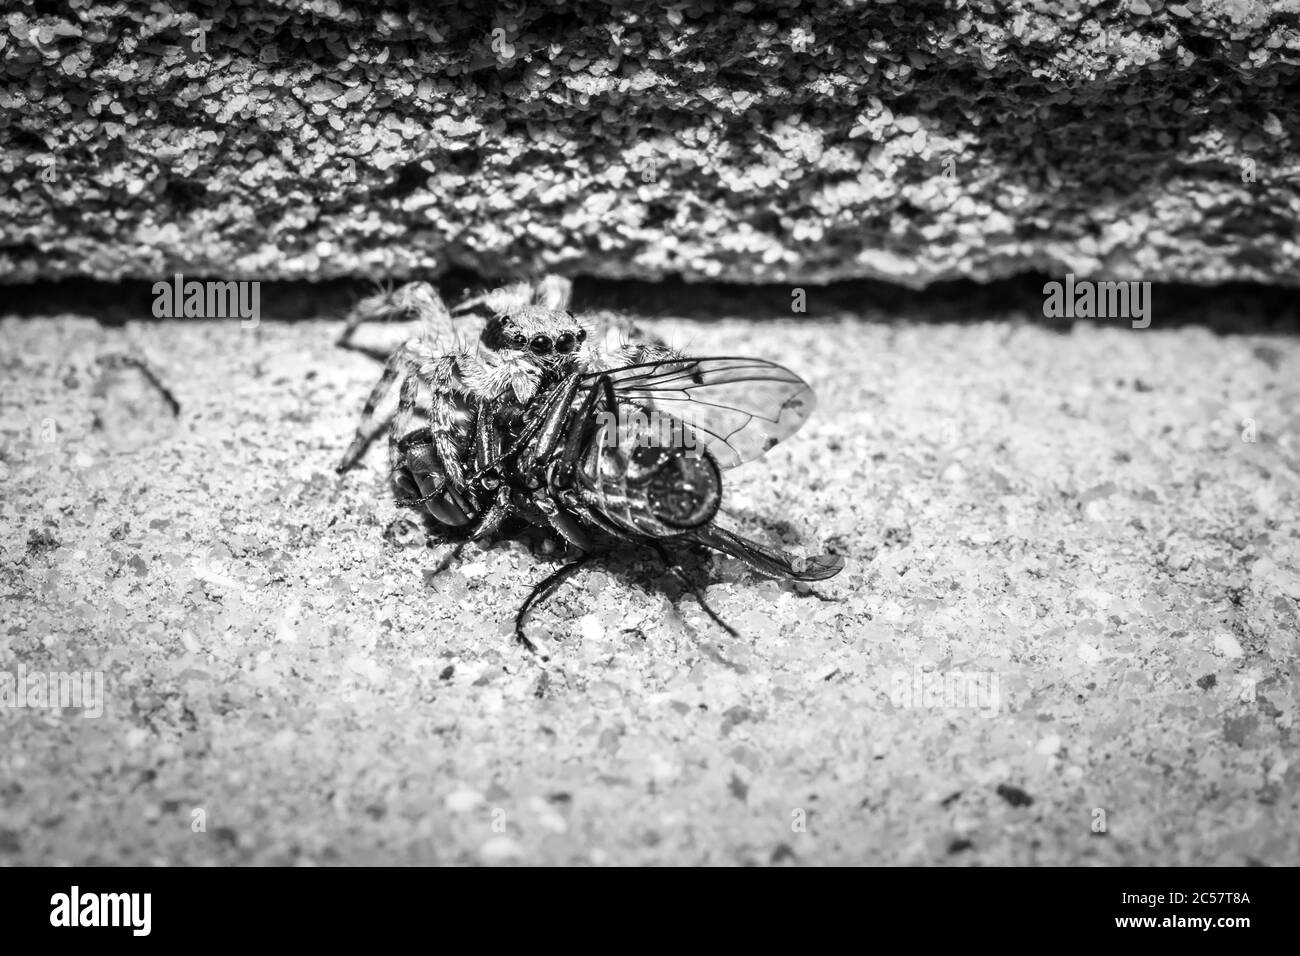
x=526, y=424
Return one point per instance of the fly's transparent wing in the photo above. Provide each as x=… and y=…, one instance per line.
x=737, y=407
x=768, y=560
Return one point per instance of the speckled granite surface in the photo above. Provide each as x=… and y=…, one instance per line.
x=753, y=141
x=1061, y=540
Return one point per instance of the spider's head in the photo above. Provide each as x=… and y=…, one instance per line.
x=546, y=337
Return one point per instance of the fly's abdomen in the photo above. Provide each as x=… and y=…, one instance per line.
x=647, y=487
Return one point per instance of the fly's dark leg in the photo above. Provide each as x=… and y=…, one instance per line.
x=450, y=558
x=541, y=591
x=487, y=447
x=486, y=450
x=540, y=436
x=680, y=575
x=526, y=436
x=579, y=436
x=767, y=560
x=564, y=523
x=536, y=450
x=490, y=523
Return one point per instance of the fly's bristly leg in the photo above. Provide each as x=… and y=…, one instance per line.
x=680, y=575
x=450, y=558
x=540, y=592
x=580, y=432
x=536, y=452
x=495, y=515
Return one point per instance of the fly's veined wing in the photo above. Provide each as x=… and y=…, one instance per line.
x=768, y=560
x=738, y=407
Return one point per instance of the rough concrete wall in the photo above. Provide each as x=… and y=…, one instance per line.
x=748, y=141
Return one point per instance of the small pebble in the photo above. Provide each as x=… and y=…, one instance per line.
x=500, y=849
x=1225, y=645
x=463, y=801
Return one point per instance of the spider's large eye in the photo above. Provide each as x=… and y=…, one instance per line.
x=518, y=340
x=582, y=335
x=541, y=344
x=566, y=342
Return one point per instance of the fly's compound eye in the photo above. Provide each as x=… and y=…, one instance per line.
x=566, y=342
x=541, y=344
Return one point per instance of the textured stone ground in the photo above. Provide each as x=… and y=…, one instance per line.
x=1074, y=513
x=755, y=141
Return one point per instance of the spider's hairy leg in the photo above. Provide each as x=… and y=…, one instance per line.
x=120, y=360
x=551, y=291
x=617, y=334
x=497, y=301
x=422, y=300
x=451, y=451
x=375, y=414
x=642, y=352
x=413, y=458
x=419, y=300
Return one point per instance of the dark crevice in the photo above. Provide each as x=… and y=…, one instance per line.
x=183, y=196
x=409, y=177
x=1232, y=308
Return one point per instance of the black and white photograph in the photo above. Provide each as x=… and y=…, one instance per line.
x=613, y=434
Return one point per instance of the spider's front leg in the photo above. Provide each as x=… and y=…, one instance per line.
x=418, y=467
x=420, y=300
x=640, y=353
x=437, y=334
x=376, y=413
